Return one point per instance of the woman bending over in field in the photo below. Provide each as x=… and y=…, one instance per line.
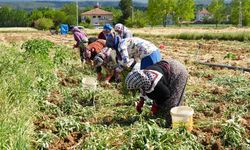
x=163, y=82
x=81, y=41
x=93, y=49
x=105, y=60
x=133, y=50
x=123, y=31
x=107, y=29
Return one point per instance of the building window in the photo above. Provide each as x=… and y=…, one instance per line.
x=94, y=16
x=99, y=16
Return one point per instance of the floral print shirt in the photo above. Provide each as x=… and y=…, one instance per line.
x=134, y=48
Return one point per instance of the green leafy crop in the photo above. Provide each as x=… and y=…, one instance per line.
x=37, y=46
x=232, y=133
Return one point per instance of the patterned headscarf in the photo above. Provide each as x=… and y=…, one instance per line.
x=142, y=79
x=76, y=29
x=121, y=28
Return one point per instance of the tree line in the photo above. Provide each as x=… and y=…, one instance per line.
x=184, y=10
x=157, y=13
x=42, y=18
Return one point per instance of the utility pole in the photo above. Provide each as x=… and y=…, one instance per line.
x=132, y=9
x=240, y=14
x=76, y=12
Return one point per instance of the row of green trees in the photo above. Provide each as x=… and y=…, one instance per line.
x=180, y=10
x=12, y=18
x=42, y=18
x=238, y=12
x=184, y=10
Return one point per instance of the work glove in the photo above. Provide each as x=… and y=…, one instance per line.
x=99, y=76
x=154, y=108
x=74, y=46
x=108, y=78
x=139, y=105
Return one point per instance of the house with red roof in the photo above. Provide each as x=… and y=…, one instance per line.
x=97, y=16
x=202, y=14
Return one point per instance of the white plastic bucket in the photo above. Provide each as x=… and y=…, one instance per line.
x=182, y=116
x=89, y=83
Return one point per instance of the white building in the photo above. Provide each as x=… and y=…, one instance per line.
x=201, y=14
x=97, y=16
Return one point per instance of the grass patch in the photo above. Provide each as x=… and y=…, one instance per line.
x=22, y=85
x=227, y=36
x=43, y=101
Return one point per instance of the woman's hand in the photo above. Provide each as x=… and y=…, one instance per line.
x=154, y=108
x=139, y=105
x=99, y=76
x=74, y=46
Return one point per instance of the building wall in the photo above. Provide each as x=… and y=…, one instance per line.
x=99, y=20
x=200, y=17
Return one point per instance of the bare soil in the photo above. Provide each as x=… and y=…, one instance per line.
x=187, y=52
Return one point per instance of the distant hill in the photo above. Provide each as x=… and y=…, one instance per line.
x=33, y=4
x=207, y=2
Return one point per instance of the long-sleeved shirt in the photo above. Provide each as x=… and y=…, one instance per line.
x=109, y=62
x=108, y=58
x=79, y=36
x=102, y=36
x=94, y=48
x=167, y=91
x=134, y=48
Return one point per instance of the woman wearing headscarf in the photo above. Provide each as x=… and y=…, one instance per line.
x=163, y=82
x=137, y=50
x=93, y=49
x=106, y=60
x=107, y=28
x=81, y=41
x=123, y=31
x=130, y=51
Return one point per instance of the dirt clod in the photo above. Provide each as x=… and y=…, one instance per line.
x=206, y=140
x=68, y=139
x=217, y=145
x=217, y=109
x=70, y=81
x=208, y=113
x=54, y=97
x=107, y=120
x=218, y=90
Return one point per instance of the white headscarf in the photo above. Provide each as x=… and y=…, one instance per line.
x=119, y=27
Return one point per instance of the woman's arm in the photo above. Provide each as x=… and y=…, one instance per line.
x=163, y=91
